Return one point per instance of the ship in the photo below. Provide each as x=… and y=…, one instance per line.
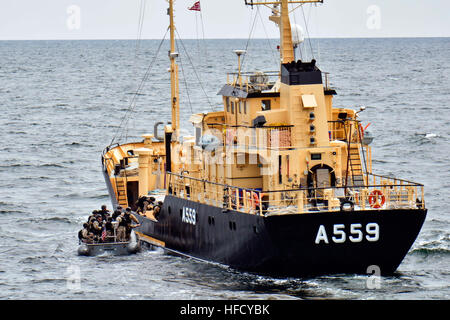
x=278, y=183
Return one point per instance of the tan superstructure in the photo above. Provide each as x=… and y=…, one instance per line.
x=278, y=147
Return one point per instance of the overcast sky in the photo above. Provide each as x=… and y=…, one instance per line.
x=118, y=19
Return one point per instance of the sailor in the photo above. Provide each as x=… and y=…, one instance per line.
x=97, y=226
x=92, y=216
x=157, y=209
x=104, y=212
x=84, y=235
x=142, y=204
x=109, y=228
x=116, y=214
x=129, y=218
x=121, y=229
x=149, y=212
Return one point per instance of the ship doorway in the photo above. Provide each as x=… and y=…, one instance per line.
x=132, y=194
x=319, y=178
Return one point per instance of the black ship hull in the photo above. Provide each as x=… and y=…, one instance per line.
x=286, y=245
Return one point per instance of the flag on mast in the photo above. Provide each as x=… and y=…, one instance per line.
x=196, y=6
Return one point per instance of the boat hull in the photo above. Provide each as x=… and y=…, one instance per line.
x=286, y=245
x=117, y=248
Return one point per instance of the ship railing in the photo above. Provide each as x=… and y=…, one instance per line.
x=215, y=194
x=267, y=137
x=253, y=81
x=383, y=193
x=344, y=130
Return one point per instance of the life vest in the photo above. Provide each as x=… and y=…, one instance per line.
x=108, y=226
x=123, y=222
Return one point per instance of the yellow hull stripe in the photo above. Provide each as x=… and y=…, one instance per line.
x=151, y=240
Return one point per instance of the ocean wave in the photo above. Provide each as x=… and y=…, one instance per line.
x=29, y=165
x=58, y=219
x=431, y=251
x=36, y=178
x=11, y=212
x=46, y=220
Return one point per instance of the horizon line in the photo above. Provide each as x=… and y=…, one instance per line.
x=134, y=39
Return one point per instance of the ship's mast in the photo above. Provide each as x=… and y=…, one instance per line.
x=287, y=49
x=174, y=74
x=281, y=18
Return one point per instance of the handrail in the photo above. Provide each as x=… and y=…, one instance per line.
x=210, y=182
x=301, y=200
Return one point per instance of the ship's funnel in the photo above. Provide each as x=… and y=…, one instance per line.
x=297, y=34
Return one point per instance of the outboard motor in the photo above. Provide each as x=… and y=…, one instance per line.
x=134, y=245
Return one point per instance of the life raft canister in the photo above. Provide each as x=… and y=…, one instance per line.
x=376, y=199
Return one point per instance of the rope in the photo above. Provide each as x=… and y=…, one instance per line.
x=185, y=84
x=249, y=37
x=300, y=45
x=140, y=24
x=274, y=53
x=126, y=117
x=195, y=71
x=203, y=34
x=307, y=32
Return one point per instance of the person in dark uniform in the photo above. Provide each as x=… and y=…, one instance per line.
x=129, y=218
x=104, y=212
x=85, y=235
x=109, y=229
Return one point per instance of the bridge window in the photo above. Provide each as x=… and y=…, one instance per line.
x=265, y=105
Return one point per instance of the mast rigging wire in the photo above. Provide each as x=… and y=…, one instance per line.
x=194, y=69
x=132, y=105
x=307, y=32
x=140, y=24
x=249, y=37
x=274, y=53
x=185, y=84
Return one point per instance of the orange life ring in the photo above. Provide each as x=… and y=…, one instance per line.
x=376, y=199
